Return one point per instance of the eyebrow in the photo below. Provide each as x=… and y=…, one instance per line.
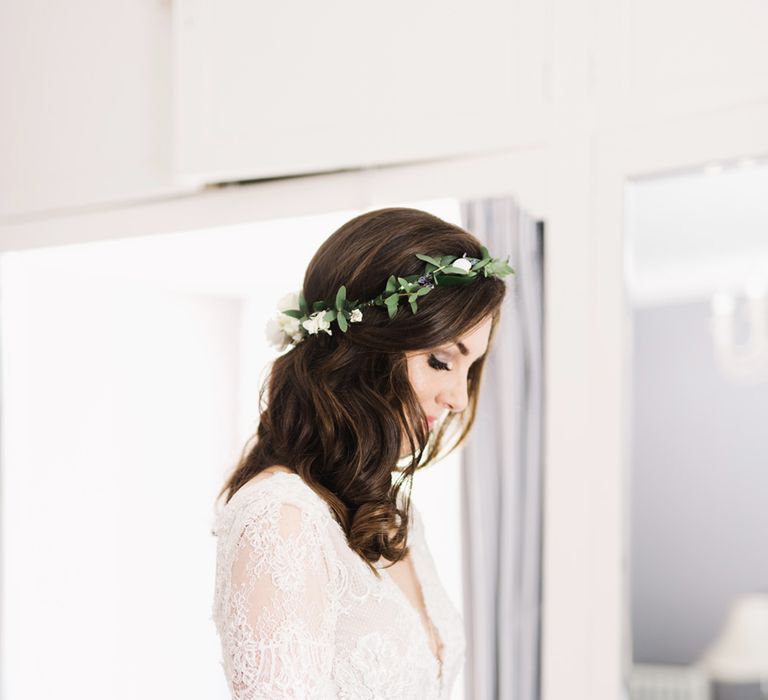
x=463, y=349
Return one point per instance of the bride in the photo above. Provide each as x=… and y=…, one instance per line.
x=325, y=586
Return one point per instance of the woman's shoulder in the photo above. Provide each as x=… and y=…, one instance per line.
x=271, y=479
x=268, y=495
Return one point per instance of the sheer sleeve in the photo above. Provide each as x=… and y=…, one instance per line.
x=279, y=619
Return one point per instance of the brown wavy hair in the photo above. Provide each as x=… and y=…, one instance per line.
x=336, y=408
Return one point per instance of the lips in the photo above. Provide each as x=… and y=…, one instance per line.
x=431, y=421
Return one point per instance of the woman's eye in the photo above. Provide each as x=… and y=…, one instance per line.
x=437, y=364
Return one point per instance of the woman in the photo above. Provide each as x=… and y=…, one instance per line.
x=325, y=587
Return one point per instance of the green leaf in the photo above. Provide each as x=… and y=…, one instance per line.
x=453, y=270
x=403, y=283
x=430, y=268
x=484, y=252
x=318, y=306
x=330, y=315
x=342, y=321
x=455, y=280
x=391, y=302
x=341, y=297
x=498, y=268
x=391, y=284
x=303, y=303
x=294, y=313
x=447, y=259
x=481, y=263
x=414, y=307
x=428, y=259
x=423, y=291
x=412, y=297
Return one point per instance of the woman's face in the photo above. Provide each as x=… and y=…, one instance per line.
x=439, y=375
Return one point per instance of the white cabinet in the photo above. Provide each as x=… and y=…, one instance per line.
x=270, y=89
x=85, y=105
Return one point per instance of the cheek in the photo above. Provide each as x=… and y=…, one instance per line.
x=419, y=376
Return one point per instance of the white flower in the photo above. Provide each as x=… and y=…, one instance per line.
x=283, y=330
x=275, y=335
x=462, y=263
x=355, y=316
x=289, y=301
x=316, y=323
x=289, y=325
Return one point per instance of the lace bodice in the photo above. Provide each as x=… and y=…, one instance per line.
x=300, y=615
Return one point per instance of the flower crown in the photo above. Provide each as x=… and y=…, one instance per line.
x=295, y=320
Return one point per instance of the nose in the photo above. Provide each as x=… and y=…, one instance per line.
x=455, y=396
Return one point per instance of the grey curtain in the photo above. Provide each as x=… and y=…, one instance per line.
x=502, y=472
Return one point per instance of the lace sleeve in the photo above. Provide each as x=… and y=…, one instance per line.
x=279, y=622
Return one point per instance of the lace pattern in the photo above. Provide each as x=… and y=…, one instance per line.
x=299, y=615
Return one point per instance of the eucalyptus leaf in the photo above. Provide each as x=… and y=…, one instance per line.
x=303, y=303
x=342, y=321
x=414, y=307
x=455, y=280
x=391, y=302
x=499, y=268
x=428, y=259
x=341, y=297
x=391, y=284
x=294, y=313
x=330, y=315
x=454, y=270
x=423, y=291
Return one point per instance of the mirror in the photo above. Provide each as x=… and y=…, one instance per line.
x=697, y=284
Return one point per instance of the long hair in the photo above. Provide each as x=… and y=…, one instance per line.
x=337, y=408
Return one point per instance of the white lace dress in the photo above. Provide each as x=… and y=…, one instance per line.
x=300, y=615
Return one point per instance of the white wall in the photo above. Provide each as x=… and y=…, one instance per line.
x=117, y=400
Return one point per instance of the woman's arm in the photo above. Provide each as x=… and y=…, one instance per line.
x=279, y=620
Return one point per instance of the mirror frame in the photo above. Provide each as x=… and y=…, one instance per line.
x=623, y=156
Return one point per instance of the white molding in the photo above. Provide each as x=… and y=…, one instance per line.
x=520, y=172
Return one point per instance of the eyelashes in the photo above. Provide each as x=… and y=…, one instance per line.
x=436, y=364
